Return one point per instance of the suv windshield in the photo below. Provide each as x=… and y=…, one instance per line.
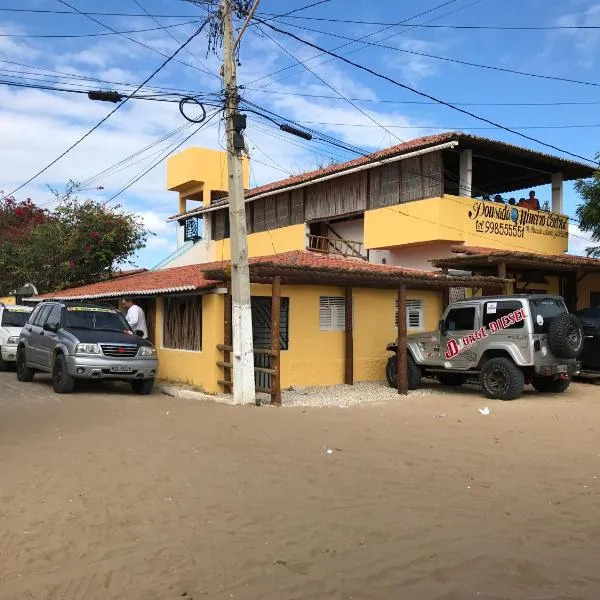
x=79, y=317
x=543, y=310
x=14, y=318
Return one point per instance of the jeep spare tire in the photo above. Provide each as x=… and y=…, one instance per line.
x=565, y=336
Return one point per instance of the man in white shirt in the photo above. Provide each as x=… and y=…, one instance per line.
x=135, y=317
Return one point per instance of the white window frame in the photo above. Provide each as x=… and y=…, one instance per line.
x=332, y=313
x=413, y=307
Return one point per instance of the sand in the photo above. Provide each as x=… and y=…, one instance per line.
x=104, y=495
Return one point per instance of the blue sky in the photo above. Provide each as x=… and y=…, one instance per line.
x=36, y=126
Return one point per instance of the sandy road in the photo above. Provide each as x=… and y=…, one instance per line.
x=105, y=495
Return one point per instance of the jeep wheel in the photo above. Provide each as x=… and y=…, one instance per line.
x=24, y=373
x=501, y=379
x=451, y=379
x=414, y=372
x=3, y=365
x=142, y=386
x=565, y=336
x=547, y=385
x=62, y=382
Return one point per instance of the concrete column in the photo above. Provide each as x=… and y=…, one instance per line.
x=557, y=193
x=466, y=173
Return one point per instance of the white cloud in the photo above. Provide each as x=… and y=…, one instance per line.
x=585, y=41
x=414, y=67
x=579, y=241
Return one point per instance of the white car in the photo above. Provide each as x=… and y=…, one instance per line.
x=12, y=320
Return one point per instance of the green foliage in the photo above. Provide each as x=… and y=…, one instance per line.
x=77, y=242
x=588, y=212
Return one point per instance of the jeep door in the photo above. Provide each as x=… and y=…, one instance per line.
x=459, y=322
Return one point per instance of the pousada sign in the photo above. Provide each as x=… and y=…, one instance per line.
x=455, y=346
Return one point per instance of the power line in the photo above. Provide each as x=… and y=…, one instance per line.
x=161, y=159
x=424, y=94
x=427, y=26
x=97, y=34
x=142, y=44
x=447, y=2
x=448, y=59
x=97, y=14
x=420, y=102
x=155, y=72
x=327, y=84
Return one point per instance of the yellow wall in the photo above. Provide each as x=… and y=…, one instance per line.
x=195, y=368
x=456, y=218
x=7, y=300
x=200, y=170
x=267, y=243
x=590, y=283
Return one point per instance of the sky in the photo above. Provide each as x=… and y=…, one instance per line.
x=36, y=126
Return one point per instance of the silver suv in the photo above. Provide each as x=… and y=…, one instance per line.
x=12, y=319
x=505, y=341
x=76, y=340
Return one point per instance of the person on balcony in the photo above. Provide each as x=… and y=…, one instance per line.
x=534, y=203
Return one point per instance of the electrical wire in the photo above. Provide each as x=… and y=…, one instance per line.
x=427, y=26
x=425, y=95
x=112, y=112
x=448, y=58
x=420, y=102
x=142, y=44
x=90, y=35
x=327, y=84
x=97, y=14
x=161, y=159
x=310, y=59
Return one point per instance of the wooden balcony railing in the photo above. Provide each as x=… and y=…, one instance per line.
x=327, y=245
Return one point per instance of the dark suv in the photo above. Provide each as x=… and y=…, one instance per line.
x=76, y=340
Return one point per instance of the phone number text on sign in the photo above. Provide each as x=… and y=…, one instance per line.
x=508, y=229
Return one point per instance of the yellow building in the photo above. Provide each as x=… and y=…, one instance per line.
x=354, y=232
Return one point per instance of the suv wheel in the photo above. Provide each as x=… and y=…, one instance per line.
x=142, y=386
x=62, y=382
x=451, y=379
x=3, y=365
x=414, y=372
x=501, y=379
x=551, y=386
x=24, y=373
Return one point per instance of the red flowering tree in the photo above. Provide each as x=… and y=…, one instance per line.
x=75, y=243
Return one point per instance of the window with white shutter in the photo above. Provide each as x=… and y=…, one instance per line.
x=332, y=313
x=414, y=314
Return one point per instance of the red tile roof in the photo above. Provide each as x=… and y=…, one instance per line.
x=127, y=273
x=192, y=277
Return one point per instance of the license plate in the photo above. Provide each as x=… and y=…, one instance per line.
x=561, y=368
x=121, y=369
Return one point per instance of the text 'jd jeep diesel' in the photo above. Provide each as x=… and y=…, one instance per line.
x=504, y=341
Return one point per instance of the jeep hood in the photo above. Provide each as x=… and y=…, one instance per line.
x=9, y=331
x=425, y=336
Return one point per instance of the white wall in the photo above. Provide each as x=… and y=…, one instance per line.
x=413, y=257
x=352, y=231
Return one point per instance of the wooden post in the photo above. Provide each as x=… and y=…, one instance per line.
x=402, y=366
x=349, y=353
x=275, y=345
x=445, y=292
x=227, y=335
x=502, y=275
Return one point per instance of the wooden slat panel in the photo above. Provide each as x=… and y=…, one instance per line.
x=249, y=220
x=259, y=215
x=412, y=180
x=271, y=212
x=337, y=197
x=432, y=174
x=375, y=188
x=219, y=224
x=390, y=184
x=297, y=215
x=283, y=209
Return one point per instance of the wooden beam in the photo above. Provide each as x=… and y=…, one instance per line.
x=401, y=355
x=445, y=292
x=275, y=345
x=502, y=275
x=349, y=352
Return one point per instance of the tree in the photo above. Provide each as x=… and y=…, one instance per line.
x=77, y=242
x=588, y=212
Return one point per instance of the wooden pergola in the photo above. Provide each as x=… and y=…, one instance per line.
x=568, y=268
x=361, y=275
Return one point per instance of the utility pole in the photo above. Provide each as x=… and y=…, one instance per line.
x=243, y=351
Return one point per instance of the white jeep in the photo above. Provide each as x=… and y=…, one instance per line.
x=504, y=341
x=12, y=320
